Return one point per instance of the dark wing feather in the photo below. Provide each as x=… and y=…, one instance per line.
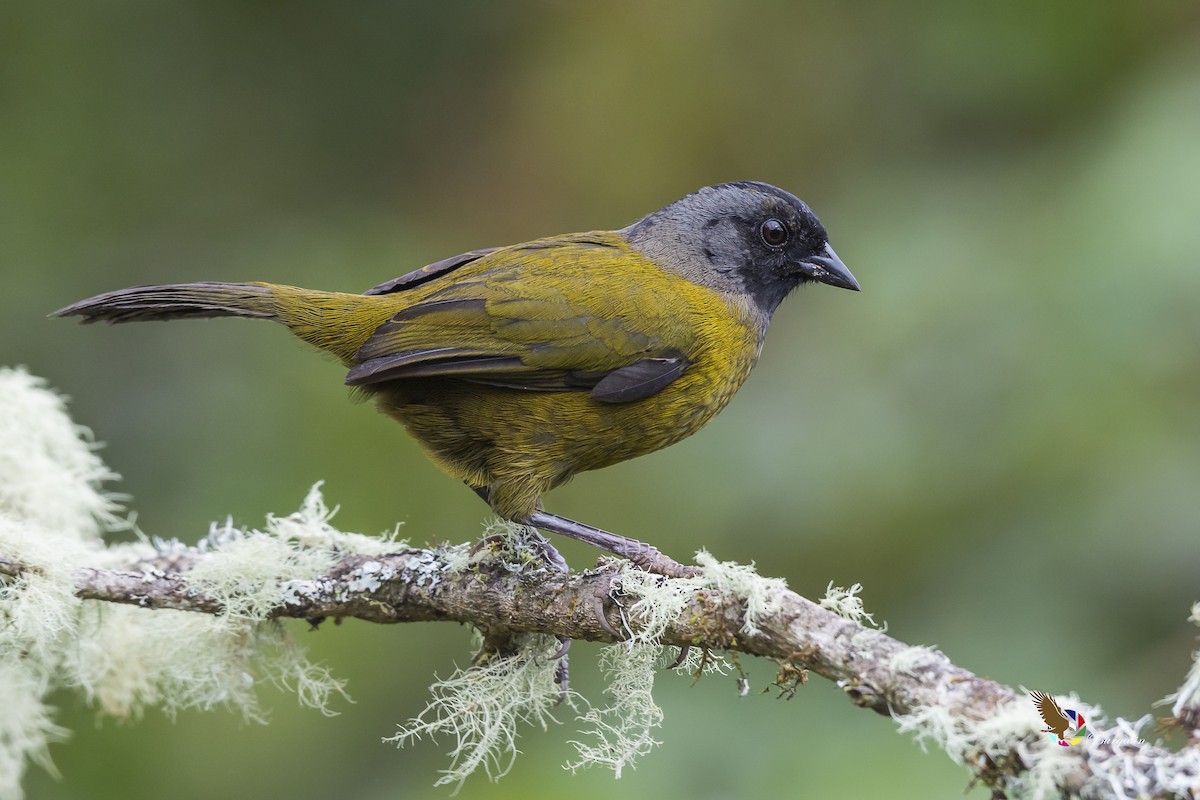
x=445, y=361
x=429, y=271
x=639, y=379
x=518, y=319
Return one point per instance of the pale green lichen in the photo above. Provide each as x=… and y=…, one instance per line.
x=1188, y=694
x=660, y=601
x=763, y=596
x=457, y=559
x=937, y=724
x=52, y=475
x=309, y=528
x=52, y=512
x=123, y=659
x=1013, y=735
x=1046, y=776
x=314, y=685
x=26, y=726
x=482, y=707
x=506, y=545
x=846, y=603
x=965, y=738
x=243, y=570
x=38, y=614
x=246, y=570
x=130, y=660
x=621, y=731
x=1128, y=772
x=915, y=661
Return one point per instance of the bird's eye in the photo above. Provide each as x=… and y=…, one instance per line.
x=773, y=232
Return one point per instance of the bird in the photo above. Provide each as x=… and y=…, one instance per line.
x=517, y=367
x=1056, y=721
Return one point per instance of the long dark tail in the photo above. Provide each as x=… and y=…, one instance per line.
x=176, y=301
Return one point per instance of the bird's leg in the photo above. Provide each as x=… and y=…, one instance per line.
x=548, y=552
x=551, y=556
x=645, y=556
x=642, y=555
x=545, y=549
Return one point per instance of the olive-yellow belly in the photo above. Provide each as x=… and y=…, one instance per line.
x=519, y=444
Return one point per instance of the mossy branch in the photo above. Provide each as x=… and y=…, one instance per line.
x=160, y=623
x=920, y=686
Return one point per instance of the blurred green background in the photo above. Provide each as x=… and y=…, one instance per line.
x=998, y=437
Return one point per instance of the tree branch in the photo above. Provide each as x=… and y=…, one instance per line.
x=876, y=671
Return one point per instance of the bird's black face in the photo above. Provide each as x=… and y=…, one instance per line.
x=743, y=238
x=778, y=243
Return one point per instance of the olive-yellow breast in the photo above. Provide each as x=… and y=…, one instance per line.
x=517, y=367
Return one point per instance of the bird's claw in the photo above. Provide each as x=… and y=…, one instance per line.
x=562, y=672
x=683, y=654
x=649, y=558
x=602, y=592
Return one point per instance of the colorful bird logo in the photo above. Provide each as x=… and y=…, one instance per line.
x=1058, y=721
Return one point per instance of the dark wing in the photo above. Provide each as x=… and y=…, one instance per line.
x=429, y=271
x=1052, y=715
x=576, y=313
